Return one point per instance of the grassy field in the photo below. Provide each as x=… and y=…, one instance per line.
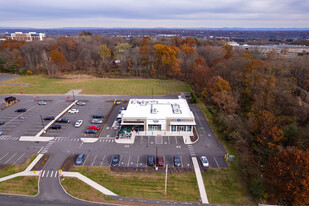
x=42, y=85
x=20, y=185
x=181, y=187
x=79, y=189
x=12, y=169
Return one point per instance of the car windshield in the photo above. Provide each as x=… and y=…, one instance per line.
x=115, y=159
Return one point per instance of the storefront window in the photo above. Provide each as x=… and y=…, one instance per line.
x=173, y=128
x=154, y=127
x=189, y=128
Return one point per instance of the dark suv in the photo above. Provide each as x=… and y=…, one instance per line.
x=55, y=126
x=177, y=161
x=98, y=116
x=21, y=110
x=115, y=160
x=63, y=120
x=150, y=160
x=2, y=122
x=49, y=118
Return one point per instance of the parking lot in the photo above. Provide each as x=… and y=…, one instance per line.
x=100, y=153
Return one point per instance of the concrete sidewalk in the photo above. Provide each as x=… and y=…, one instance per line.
x=89, y=182
x=200, y=181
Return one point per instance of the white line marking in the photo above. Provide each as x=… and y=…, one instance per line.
x=51, y=175
x=93, y=160
x=176, y=139
x=129, y=160
x=56, y=173
x=85, y=159
x=216, y=162
x=10, y=158
x=102, y=160
x=47, y=173
x=19, y=158
x=81, y=145
x=137, y=160
x=43, y=173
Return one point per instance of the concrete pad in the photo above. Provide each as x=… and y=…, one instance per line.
x=34, y=139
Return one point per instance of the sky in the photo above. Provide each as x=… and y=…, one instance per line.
x=155, y=13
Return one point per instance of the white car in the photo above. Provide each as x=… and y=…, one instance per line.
x=204, y=161
x=42, y=103
x=72, y=111
x=78, y=123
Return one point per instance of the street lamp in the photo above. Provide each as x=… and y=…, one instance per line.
x=42, y=123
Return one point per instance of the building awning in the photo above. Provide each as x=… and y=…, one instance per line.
x=183, y=123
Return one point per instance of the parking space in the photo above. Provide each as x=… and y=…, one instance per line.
x=8, y=158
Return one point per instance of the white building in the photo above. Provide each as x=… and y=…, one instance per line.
x=158, y=115
x=31, y=36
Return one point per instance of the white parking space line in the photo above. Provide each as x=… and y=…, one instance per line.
x=51, y=175
x=81, y=145
x=56, y=173
x=43, y=173
x=47, y=173
x=85, y=159
x=10, y=158
x=19, y=158
x=4, y=156
x=216, y=162
x=129, y=160
x=181, y=160
x=176, y=140
x=102, y=160
x=137, y=160
x=94, y=160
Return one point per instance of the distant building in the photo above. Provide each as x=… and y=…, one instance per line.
x=233, y=43
x=31, y=36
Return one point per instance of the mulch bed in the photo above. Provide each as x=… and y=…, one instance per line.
x=41, y=163
x=173, y=170
x=69, y=163
x=3, y=166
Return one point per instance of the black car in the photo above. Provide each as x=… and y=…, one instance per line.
x=55, y=126
x=115, y=160
x=91, y=131
x=177, y=161
x=21, y=110
x=2, y=122
x=150, y=160
x=49, y=118
x=98, y=116
x=63, y=120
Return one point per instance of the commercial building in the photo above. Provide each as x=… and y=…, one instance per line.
x=158, y=115
x=31, y=36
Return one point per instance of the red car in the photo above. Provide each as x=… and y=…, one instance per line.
x=94, y=127
x=160, y=161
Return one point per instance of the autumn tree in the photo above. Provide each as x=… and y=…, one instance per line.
x=105, y=54
x=286, y=175
x=167, y=62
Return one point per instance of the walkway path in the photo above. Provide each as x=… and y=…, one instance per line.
x=200, y=181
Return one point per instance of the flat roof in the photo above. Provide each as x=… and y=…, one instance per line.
x=157, y=109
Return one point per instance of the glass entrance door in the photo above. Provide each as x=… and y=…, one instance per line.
x=181, y=128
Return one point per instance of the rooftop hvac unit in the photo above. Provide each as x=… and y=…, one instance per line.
x=176, y=111
x=154, y=111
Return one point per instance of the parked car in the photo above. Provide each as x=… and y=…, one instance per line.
x=115, y=160
x=123, y=108
x=2, y=122
x=177, y=161
x=98, y=116
x=91, y=131
x=150, y=160
x=63, y=120
x=80, y=159
x=55, y=126
x=96, y=121
x=94, y=127
x=72, y=111
x=21, y=110
x=42, y=103
x=78, y=123
x=1, y=133
x=81, y=103
x=204, y=161
x=160, y=161
x=10, y=99
x=49, y=118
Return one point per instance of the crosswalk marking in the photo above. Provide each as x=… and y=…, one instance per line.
x=49, y=173
x=43, y=174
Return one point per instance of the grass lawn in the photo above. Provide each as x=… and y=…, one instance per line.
x=41, y=85
x=12, y=169
x=79, y=189
x=180, y=187
x=20, y=185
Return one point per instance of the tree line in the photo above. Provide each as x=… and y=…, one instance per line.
x=260, y=103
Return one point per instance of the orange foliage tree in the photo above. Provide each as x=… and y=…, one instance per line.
x=57, y=58
x=287, y=176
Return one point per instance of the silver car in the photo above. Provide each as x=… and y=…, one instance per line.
x=1, y=133
x=42, y=103
x=78, y=123
x=204, y=161
x=96, y=121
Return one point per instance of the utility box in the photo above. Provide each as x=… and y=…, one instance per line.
x=10, y=99
x=231, y=158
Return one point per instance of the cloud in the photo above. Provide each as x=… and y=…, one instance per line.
x=61, y=12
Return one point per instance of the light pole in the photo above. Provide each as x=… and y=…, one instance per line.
x=166, y=179
x=156, y=161
x=73, y=95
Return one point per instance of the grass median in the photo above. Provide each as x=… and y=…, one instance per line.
x=12, y=169
x=180, y=187
x=20, y=185
x=42, y=85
